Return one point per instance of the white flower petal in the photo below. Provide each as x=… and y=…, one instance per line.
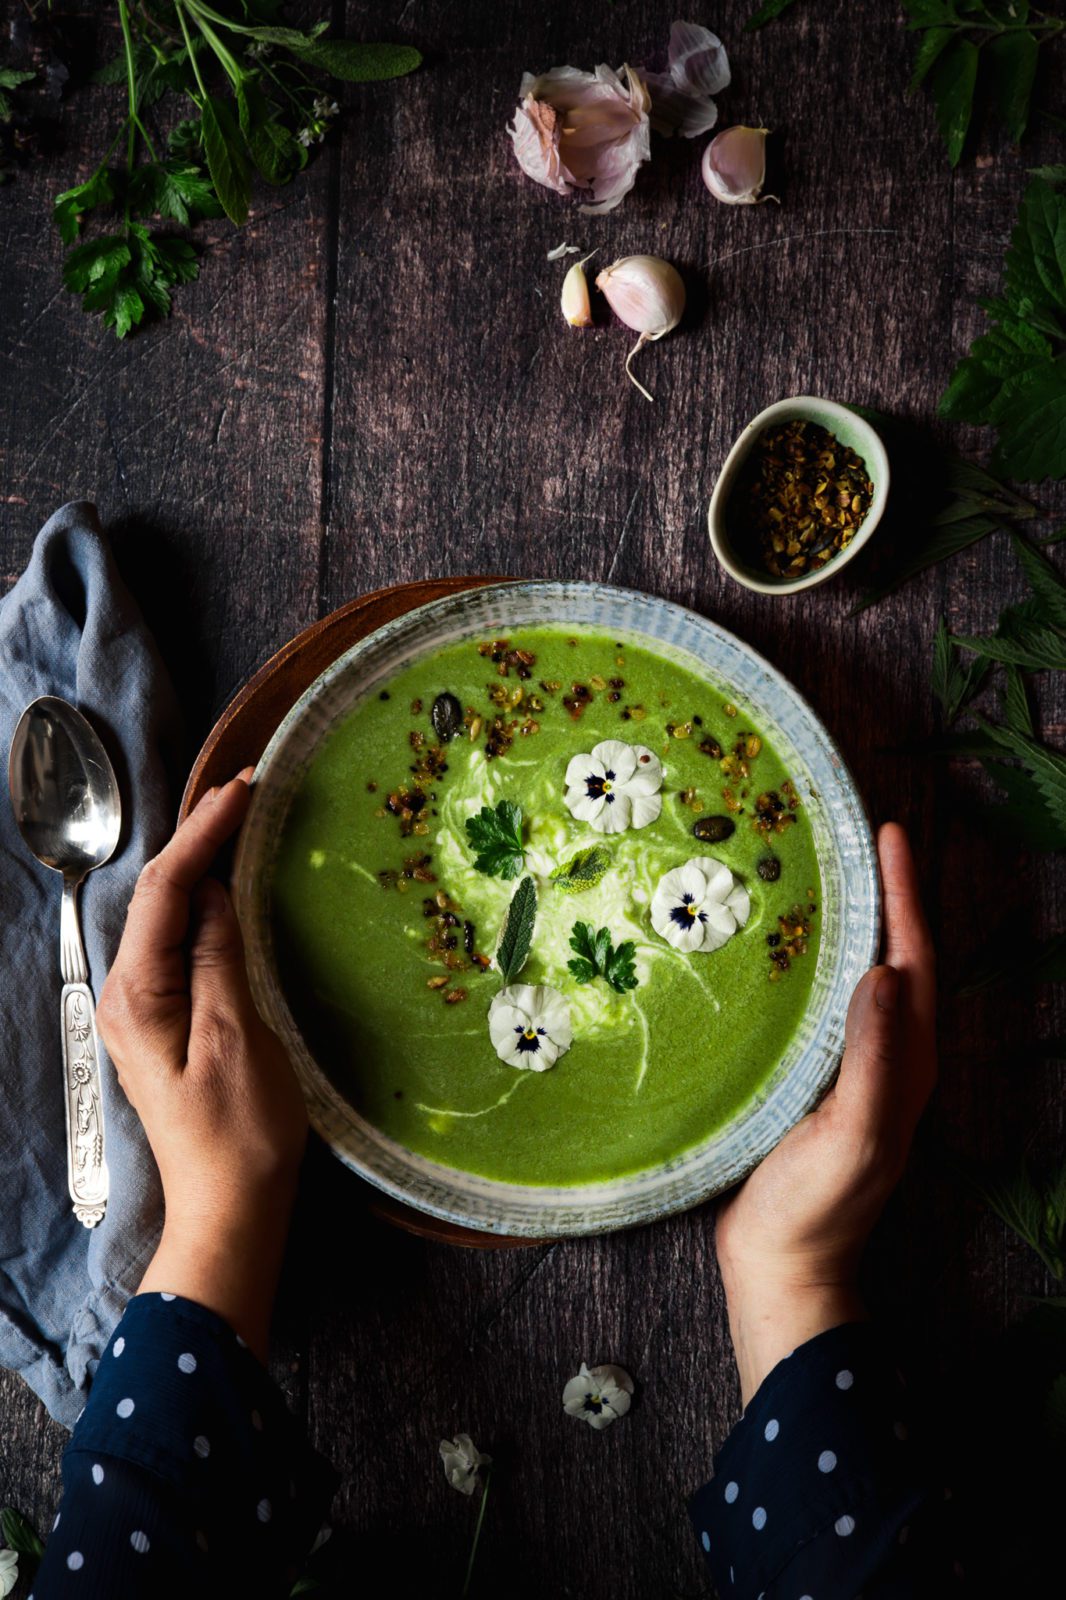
x=647, y=772
x=719, y=927
x=614, y=755
x=582, y=767
x=716, y=875
x=644, y=809
x=739, y=903
x=691, y=879
x=614, y=817
x=583, y=806
x=522, y=1006
x=503, y=1020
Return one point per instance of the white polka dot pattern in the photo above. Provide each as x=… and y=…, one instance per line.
x=118, y=1346
x=758, y=1518
x=731, y=1492
x=125, y=1408
x=826, y=1461
x=202, y=1446
x=98, y=1473
x=186, y=1361
x=264, y=1510
x=165, y=1296
x=705, y=1539
x=844, y=1526
x=140, y=1542
x=772, y=1429
x=845, y=1379
x=75, y=1561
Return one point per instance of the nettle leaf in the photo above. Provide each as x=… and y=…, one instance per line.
x=1011, y=59
x=1017, y=712
x=360, y=63
x=1035, y=264
x=1032, y=439
x=929, y=13
x=517, y=936
x=953, y=684
x=953, y=79
x=1045, y=580
x=225, y=159
x=935, y=543
x=934, y=42
x=1047, y=766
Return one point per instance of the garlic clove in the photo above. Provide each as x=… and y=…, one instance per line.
x=575, y=296
x=734, y=166
x=647, y=294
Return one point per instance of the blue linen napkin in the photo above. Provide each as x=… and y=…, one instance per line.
x=69, y=627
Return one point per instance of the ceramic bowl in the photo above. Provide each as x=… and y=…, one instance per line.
x=849, y=899
x=853, y=431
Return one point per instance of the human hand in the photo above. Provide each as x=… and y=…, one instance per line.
x=790, y=1237
x=212, y=1085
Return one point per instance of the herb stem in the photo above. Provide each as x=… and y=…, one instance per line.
x=225, y=56
x=132, y=122
x=180, y=9
x=477, y=1533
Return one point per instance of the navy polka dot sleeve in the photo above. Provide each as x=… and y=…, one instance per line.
x=822, y=1492
x=186, y=1473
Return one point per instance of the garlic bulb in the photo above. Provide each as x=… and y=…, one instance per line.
x=575, y=296
x=649, y=297
x=734, y=166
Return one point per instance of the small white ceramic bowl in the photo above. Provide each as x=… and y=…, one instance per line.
x=852, y=431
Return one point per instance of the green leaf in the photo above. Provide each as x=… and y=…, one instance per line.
x=929, y=13
x=1011, y=59
x=359, y=63
x=69, y=207
x=953, y=684
x=1018, y=1200
x=597, y=957
x=766, y=13
x=1017, y=712
x=1022, y=821
x=583, y=871
x=21, y=1536
x=1032, y=436
x=935, y=543
x=96, y=259
x=1042, y=650
x=1047, y=766
x=517, y=936
x=496, y=836
x=953, y=79
x=275, y=152
x=186, y=139
x=934, y=42
x=1045, y=580
x=225, y=159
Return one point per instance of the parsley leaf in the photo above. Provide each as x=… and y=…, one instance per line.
x=597, y=957
x=584, y=871
x=517, y=936
x=496, y=835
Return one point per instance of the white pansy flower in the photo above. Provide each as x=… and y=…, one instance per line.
x=616, y=786
x=599, y=1396
x=700, y=905
x=9, y=1571
x=462, y=1458
x=529, y=1025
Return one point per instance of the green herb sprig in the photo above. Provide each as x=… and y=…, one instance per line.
x=583, y=871
x=597, y=957
x=512, y=952
x=1034, y=1207
x=1014, y=377
x=972, y=49
x=495, y=833
x=257, y=107
x=21, y=1536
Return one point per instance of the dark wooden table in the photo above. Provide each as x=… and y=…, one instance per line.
x=371, y=382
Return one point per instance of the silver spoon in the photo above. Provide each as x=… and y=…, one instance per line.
x=68, y=810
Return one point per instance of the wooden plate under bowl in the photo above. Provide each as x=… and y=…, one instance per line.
x=243, y=732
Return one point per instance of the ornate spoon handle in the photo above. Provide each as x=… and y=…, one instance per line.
x=87, y=1176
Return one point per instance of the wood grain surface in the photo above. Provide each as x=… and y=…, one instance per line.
x=370, y=384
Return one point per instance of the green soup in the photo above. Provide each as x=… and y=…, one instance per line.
x=384, y=929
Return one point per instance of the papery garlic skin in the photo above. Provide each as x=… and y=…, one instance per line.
x=583, y=130
x=734, y=166
x=647, y=294
x=574, y=299
x=697, y=69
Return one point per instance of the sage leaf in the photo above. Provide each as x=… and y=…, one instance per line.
x=360, y=63
x=225, y=159
x=21, y=1536
x=583, y=871
x=517, y=936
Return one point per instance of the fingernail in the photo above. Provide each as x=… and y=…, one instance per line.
x=246, y=774
x=213, y=899
x=888, y=990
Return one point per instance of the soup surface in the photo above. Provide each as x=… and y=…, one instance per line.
x=384, y=929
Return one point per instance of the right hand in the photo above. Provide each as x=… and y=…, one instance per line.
x=789, y=1239
x=212, y=1085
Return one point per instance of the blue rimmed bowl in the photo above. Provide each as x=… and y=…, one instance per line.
x=849, y=900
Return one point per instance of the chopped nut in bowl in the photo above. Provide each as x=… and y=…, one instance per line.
x=800, y=494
